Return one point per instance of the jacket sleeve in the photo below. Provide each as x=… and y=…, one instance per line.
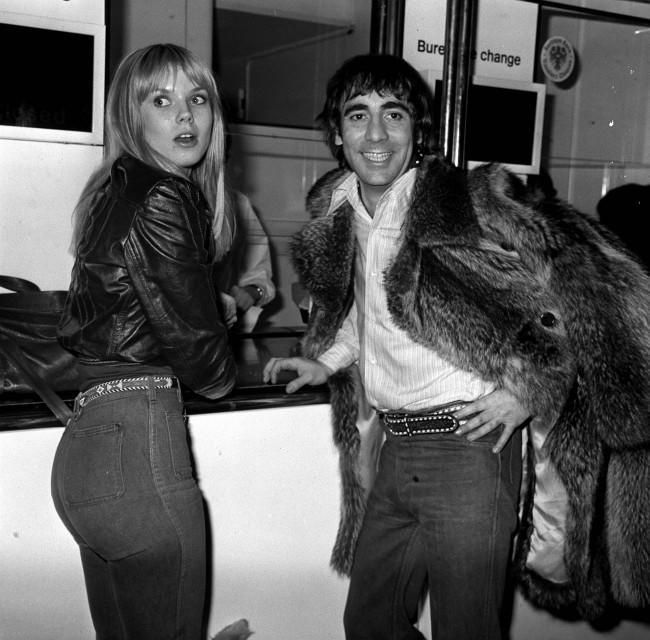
x=168, y=258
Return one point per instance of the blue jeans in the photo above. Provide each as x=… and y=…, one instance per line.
x=123, y=484
x=442, y=513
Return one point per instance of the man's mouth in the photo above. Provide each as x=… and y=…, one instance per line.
x=376, y=157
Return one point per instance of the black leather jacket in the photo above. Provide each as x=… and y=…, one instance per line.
x=142, y=290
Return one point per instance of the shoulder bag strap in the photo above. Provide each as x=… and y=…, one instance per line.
x=17, y=284
x=52, y=399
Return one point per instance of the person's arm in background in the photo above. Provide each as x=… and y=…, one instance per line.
x=254, y=280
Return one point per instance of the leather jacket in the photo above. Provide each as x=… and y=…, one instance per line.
x=142, y=289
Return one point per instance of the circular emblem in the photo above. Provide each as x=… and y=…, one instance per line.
x=557, y=59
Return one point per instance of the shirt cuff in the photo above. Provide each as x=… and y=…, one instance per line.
x=337, y=357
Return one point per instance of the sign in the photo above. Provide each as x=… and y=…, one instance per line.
x=557, y=59
x=505, y=37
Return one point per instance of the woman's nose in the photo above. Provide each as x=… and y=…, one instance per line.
x=185, y=113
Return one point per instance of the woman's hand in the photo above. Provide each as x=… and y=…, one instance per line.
x=243, y=299
x=499, y=408
x=229, y=308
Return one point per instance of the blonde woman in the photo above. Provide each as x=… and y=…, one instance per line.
x=143, y=319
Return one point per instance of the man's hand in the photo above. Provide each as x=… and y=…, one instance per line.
x=309, y=372
x=499, y=408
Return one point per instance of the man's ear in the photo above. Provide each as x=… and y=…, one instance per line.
x=338, y=141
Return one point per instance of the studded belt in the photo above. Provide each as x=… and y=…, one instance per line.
x=126, y=384
x=438, y=419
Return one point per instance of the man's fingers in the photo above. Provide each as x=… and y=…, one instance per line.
x=295, y=384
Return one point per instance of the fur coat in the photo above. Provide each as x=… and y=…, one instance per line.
x=536, y=298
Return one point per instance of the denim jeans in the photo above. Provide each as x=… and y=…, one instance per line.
x=123, y=484
x=442, y=513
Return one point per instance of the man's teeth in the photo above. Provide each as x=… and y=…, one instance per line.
x=376, y=157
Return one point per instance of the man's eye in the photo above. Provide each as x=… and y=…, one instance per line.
x=357, y=116
x=395, y=115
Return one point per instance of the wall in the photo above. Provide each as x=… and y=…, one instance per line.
x=138, y=23
x=40, y=181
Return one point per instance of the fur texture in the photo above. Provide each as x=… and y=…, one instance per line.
x=531, y=295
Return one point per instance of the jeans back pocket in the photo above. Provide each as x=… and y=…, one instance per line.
x=93, y=465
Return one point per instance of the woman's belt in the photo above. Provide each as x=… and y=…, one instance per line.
x=140, y=383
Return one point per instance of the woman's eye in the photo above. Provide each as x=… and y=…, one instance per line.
x=160, y=101
x=199, y=99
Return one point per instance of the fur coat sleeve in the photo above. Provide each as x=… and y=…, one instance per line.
x=537, y=298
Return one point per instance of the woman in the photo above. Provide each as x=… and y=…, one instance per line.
x=142, y=317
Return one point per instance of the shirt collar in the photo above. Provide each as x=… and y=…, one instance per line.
x=348, y=190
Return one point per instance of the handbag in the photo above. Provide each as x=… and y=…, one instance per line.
x=31, y=358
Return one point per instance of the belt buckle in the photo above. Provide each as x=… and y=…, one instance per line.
x=403, y=419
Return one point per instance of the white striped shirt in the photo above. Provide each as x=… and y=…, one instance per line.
x=397, y=373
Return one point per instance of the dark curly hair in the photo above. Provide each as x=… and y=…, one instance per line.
x=385, y=74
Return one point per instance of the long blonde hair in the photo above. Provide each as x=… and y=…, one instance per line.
x=137, y=75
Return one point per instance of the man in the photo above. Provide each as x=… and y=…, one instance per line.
x=450, y=292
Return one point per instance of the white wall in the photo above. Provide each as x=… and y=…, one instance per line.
x=39, y=186
x=41, y=181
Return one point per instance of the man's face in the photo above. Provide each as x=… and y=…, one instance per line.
x=377, y=137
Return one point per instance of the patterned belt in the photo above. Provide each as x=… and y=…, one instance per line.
x=439, y=419
x=126, y=384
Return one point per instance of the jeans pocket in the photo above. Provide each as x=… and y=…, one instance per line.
x=179, y=448
x=93, y=466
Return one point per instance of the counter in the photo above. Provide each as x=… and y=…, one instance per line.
x=252, y=351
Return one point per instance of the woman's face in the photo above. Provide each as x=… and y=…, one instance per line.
x=177, y=121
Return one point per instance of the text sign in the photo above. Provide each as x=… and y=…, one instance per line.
x=505, y=37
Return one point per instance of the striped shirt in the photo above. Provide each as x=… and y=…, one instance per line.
x=397, y=373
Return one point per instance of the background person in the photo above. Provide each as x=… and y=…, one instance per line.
x=451, y=293
x=246, y=273
x=625, y=211
x=142, y=317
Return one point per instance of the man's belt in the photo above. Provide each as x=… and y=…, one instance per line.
x=438, y=419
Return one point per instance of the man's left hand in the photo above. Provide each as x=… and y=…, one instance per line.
x=499, y=408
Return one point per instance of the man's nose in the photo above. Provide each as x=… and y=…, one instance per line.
x=376, y=129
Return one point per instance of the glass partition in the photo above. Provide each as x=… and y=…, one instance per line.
x=273, y=59
x=597, y=126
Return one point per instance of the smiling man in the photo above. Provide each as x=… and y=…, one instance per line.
x=447, y=290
